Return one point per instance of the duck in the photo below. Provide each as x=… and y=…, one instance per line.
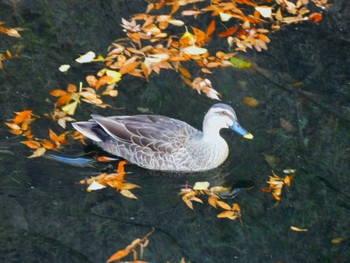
x=157, y=142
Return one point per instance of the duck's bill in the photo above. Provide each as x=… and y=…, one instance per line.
x=240, y=130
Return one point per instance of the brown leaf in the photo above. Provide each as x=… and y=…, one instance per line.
x=286, y=125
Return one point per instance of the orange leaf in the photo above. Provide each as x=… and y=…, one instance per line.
x=71, y=88
x=145, y=70
x=32, y=144
x=121, y=169
x=185, y=72
x=223, y=205
x=48, y=145
x=228, y=32
x=53, y=136
x=118, y=255
x=63, y=100
x=226, y=214
x=252, y=102
x=200, y=36
x=91, y=80
x=21, y=116
x=103, y=81
x=128, y=67
x=317, y=17
x=58, y=93
x=210, y=31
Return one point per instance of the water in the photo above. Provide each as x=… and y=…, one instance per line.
x=46, y=216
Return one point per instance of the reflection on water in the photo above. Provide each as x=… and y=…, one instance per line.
x=47, y=216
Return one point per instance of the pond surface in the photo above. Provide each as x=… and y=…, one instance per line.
x=47, y=216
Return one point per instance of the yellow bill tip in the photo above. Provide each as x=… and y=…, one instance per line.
x=248, y=136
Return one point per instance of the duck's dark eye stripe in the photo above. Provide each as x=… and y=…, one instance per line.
x=223, y=113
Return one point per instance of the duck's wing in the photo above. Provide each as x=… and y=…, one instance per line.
x=159, y=133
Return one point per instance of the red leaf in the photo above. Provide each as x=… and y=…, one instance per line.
x=228, y=32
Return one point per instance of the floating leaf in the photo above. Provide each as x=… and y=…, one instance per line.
x=298, y=229
x=225, y=17
x=265, y=11
x=86, y=58
x=240, y=63
x=21, y=116
x=32, y=144
x=39, y=152
x=95, y=186
x=128, y=194
x=286, y=125
x=64, y=68
x=118, y=255
x=252, y=102
x=71, y=107
x=337, y=240
x=116, y=76
x=198, y=186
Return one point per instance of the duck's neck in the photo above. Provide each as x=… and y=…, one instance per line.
x=211, y=133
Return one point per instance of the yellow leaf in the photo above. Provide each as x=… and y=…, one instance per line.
x=128, y=194
x=224, y=17
x=201, y=186
x=39, y=152
x=337, y=240
x=71, y=107
x=116, y=76
x=294, y=228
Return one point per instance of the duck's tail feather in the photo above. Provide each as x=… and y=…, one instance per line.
x=91, y=130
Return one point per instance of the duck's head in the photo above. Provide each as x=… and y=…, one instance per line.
x=222, y=116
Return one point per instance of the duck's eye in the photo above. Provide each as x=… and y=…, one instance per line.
x=223, y=113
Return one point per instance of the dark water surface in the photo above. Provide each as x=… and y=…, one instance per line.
x=46, y=216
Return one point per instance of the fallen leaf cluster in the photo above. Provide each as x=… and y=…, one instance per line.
x=277, y=183
x=132, y=247
x=12, y=32
x=191, y=194
x=115, y=180
x=21, y=125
